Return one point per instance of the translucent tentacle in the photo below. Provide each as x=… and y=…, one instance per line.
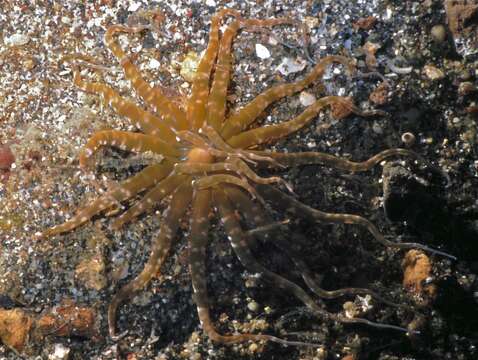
x=197, y=266
x=140, y=118
x=126, y=140
x=213, y=181
x=256, y=215
x=245, y=116
x=159, y=250
x=196, y=107
x=233, y=164
x=318, y=158
x=150, y=199
x=217, y=97
x=239, y=243
x=295, y=207
x=171, y=113
x=124, y=191
x=219, y=143
x=263, y=134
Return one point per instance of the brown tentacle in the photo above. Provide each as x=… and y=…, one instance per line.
x=295, y=207
x=256, y=215
x=159, y=250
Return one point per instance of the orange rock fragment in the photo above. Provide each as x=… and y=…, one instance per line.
x=473, y=109
x=461, y=16
x=6, y=157
x=417, y=269
x=22, y=330
x=370, y=49
x=340, y=111
x=6, y=160
x=365, y=23
x=15, y=327
x=380, y=95
x=68, y=320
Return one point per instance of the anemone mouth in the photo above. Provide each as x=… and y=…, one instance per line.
x=200, y=155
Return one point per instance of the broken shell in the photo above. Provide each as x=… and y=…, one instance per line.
x=17, y=40
x=262, y=52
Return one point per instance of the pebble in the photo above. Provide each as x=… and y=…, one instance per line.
x=433, y=73
x=322, y=353
x=253, y=306
x=133, y=6
x=262, y=52
x=306, y=98
x=351, y=310
x=6, y=157
x=154, y=64
x=417, y=269
x=91, y=272
x=17, y=40
x=377, y=127
x=60, y=352
x=466, y=88
x=311, y=22
x=438, y=33
x=253, y=347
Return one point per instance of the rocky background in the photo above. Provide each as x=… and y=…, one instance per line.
x=416, y=61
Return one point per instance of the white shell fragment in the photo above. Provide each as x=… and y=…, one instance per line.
x=61, y=352
x=17, y=40
x=262, y=52
x=154, y=64
x=306, y=98
x=290, y=66
x=133, y=6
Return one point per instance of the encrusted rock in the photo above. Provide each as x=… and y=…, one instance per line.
x=15, y=327
x=24, y=331
x=417, y=271
x=66, y=320
x=462, y=18
x=91, y=272
x=370, y=49
x=380, y=96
